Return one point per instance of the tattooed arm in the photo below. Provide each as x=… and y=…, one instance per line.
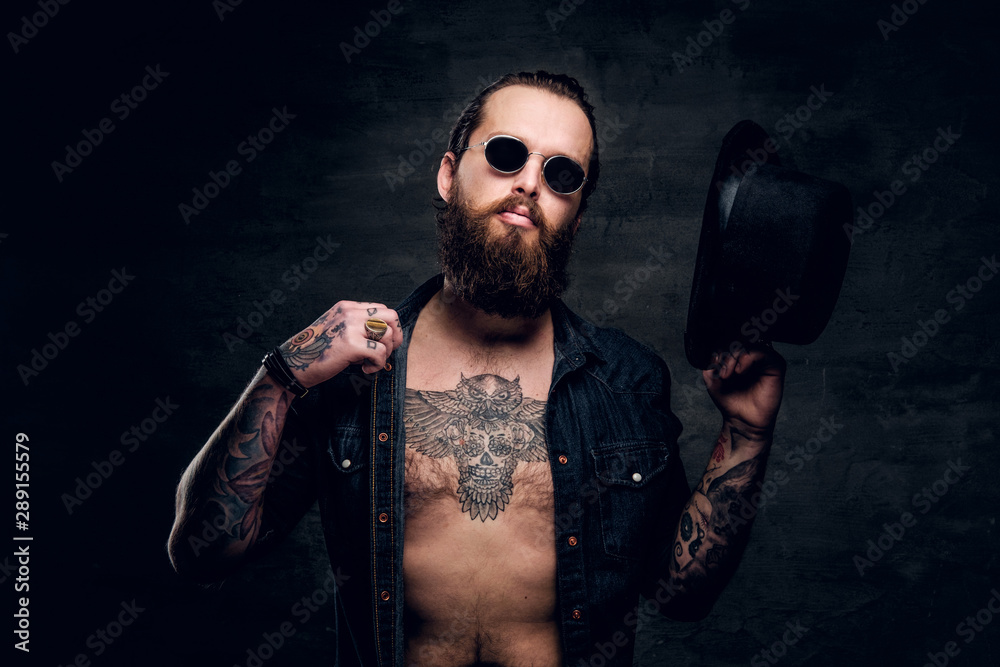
x=221, y=494
x=714, y=526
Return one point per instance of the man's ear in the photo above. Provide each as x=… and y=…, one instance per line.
x=446, y=174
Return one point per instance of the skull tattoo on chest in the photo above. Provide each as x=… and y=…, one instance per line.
x=487, y=425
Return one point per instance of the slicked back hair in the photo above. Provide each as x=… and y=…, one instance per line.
x=559, y=84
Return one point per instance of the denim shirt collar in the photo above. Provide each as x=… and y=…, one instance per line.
x=572, y=334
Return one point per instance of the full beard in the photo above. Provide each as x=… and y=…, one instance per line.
x=504, y=271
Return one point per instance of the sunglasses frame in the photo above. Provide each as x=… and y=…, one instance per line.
x=545, y=162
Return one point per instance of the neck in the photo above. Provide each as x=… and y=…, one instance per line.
x=455, y=319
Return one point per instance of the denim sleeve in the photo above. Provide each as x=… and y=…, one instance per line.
x=656, y=583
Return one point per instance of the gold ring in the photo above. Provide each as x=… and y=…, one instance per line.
x=375, y=328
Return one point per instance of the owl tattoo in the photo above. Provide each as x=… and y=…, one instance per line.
x=487, y=425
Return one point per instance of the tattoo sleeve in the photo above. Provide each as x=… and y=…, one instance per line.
x=714, y=526
x=220, y=495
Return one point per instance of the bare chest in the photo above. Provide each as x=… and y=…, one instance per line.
x=478, y=448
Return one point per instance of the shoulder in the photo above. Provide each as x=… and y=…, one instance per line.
x=616, y=357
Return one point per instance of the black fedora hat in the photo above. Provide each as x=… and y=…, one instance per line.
x=772, y=253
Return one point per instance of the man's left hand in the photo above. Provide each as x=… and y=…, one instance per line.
x=746, y=385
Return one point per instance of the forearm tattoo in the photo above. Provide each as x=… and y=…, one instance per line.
x=711, y=534
x=487, y=426
x=242, y=472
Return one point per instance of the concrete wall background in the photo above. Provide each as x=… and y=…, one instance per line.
x=662, y=120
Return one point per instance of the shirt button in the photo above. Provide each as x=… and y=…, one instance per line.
x=388, y=366
x=346, y=463
x=383, y=436
x=563, y=459
x=577, y=614
x=383, y=517
x=385, y=596
x=636, y=477
x=572, y=540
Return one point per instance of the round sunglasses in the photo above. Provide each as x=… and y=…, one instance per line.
x=507, y=154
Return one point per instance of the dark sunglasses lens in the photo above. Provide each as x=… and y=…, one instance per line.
x=506, y=154
x=563, y=175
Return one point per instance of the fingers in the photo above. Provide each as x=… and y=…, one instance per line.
x=737, y=360
x=339, y=338
x=375, y=354
x=394, y=335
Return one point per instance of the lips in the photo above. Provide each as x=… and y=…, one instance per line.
x=518, y=216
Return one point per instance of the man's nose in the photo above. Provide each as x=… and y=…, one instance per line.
x=528, y=181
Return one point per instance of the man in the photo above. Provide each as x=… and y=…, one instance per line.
x=499, y=479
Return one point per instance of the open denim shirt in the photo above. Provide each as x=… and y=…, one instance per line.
x=618, y=486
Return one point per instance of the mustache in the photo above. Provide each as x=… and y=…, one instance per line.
x=513, y=201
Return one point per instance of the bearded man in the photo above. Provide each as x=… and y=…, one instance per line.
x=499, y=478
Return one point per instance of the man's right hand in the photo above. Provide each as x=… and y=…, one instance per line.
x=338, y=339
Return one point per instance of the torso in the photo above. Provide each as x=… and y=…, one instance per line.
x=479, y=559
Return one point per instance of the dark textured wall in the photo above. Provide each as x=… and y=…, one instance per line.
x=900, y=422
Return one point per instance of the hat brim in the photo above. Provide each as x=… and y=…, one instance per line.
x=745, y=142
x=772, y=253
